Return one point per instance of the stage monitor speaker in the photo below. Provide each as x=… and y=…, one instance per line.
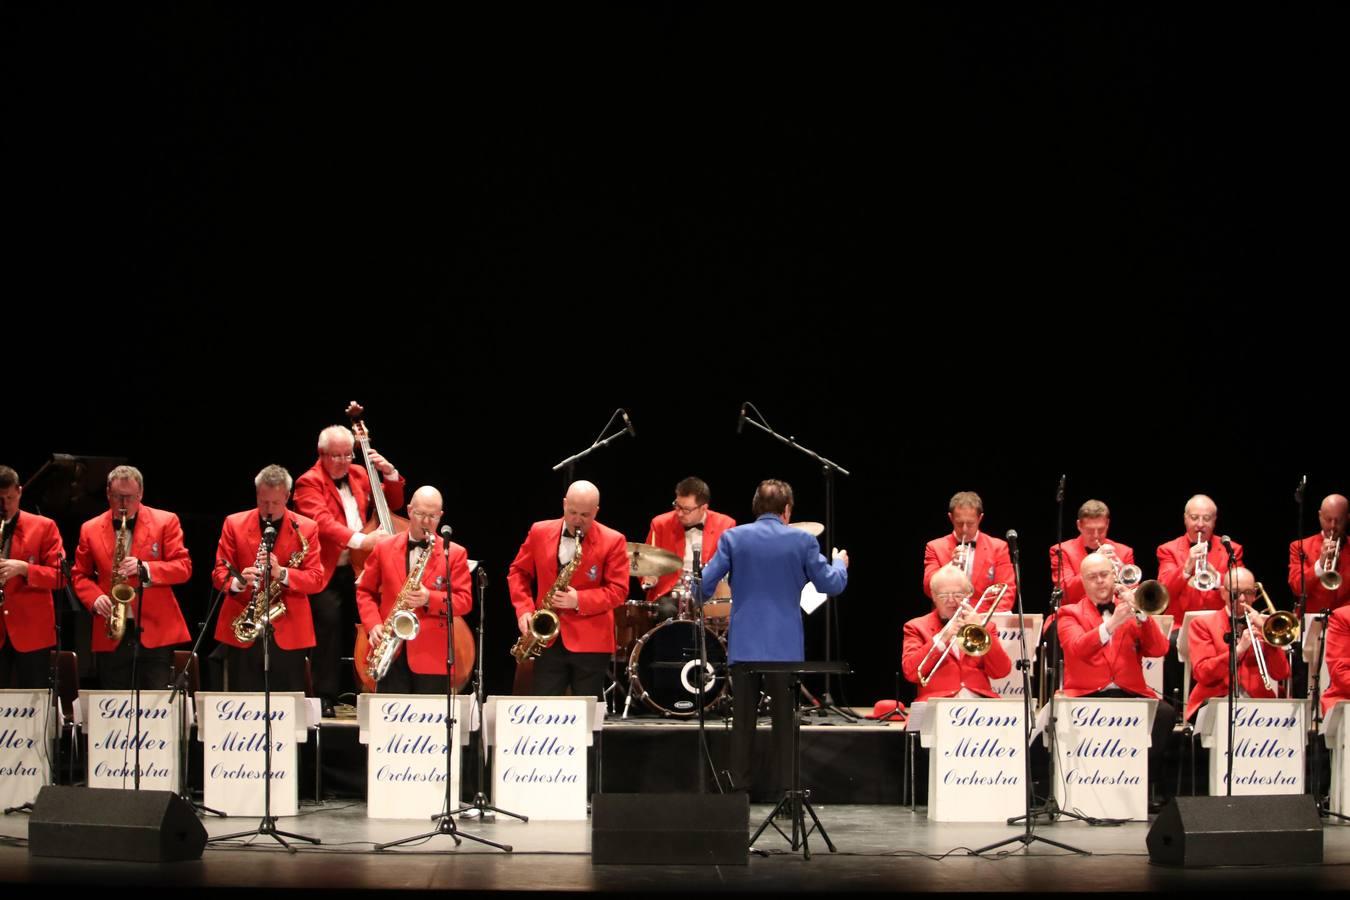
x=1266, y=830
x=670, y=829
x=96, y=823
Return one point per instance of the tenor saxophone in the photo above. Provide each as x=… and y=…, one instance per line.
x=120, y=593
x=260, y=609
x=402, y=624
x=544, y=622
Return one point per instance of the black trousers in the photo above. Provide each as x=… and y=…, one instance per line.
x=154, y=668
x=402, y=680
x=25, y=670
x=558, y=669
x=245, y=668
x=745, y=689
x=334, y=613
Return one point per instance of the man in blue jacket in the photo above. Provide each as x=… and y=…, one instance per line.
x=768, y=564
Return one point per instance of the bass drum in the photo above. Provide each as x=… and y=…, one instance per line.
x=663, y=669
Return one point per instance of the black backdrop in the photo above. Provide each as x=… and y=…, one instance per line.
x=949, y=247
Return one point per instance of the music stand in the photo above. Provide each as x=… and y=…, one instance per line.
x=795, y=799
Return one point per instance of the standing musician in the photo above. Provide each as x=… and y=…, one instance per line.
x=1191, y=567
x=141, y=547
x=688, y=525
x=1209, y=648
x=1315, y=563
x=982, y=558
x=769, y=563
x=926, y=638
x=335, y=493
x=420, y=666
x=1105, y=639
x=30, y=559
x=296, y=572
x=579, y=657
x=1094, y=520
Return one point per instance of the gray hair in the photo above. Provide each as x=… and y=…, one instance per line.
x=273, y=476
x=334, y=431
x=127, y=472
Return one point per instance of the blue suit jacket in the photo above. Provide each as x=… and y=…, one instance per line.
x=769, y=564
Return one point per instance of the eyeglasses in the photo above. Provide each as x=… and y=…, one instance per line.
x=948, y=596
x=340, y=457
x=684, y=509
x=1252, y=594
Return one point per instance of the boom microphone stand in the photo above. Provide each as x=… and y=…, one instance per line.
x=570, y=463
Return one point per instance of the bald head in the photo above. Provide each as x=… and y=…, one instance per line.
x=424, y=512
x=1099, y=577
x=1239, y=579
x=580, y=505
x=1332, y=516
x=1201, y=515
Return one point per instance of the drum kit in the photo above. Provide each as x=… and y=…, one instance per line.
x=660, y=658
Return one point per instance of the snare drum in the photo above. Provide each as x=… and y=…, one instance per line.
x=663, y=670
x=717, y=610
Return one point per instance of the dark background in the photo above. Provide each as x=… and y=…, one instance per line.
x=948, y=246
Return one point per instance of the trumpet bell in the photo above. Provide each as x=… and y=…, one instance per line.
x=1330, y=580
x=1151, y=598
x=1130, y=575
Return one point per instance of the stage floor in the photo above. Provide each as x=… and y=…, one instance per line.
x=881, y=848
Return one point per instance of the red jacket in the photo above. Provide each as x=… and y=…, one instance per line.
x=239, y=539
x=601, y=582
x=317, y=496
x=1338, y=659
x=28, y=618
x=1089, y=666
x=1209, y=663
x=958, y=670
x=992, y=565
x=1075, y=551
x=1182, y=598
x=383, y=578
x=1319, y=598
x=158, y=542
x=667, y=533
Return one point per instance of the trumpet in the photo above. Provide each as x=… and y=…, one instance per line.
x=1126, y=575
x=1330, y=578
x=1150, y=597
x=964, y=556
x=975, y=640
x=1204, y=578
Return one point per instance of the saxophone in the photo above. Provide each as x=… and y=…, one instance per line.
x=402, y=624
x=260, y=610
x=121, y=594
x=544, y=622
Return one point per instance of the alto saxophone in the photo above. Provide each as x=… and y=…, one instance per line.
x=402, y=624
x=260, y=609
x=121, y=594
x=544, y=622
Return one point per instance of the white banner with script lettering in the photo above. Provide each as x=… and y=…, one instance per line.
x=1010, y=685
x=234, y=748
x=976, y=761
x=24, y=750
x=1269, y=739
x=405, y=763
x=1103, y=755
x=539, y=761
x=110, y=721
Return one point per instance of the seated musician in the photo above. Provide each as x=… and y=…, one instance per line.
x=1105, y=639
x=926, y=638
x=1209, y=648
x=689, y=525
x=1338, y=659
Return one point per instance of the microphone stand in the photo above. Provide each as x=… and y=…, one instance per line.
x=136, y=684
x=701, y=636
x=599, y=442
x=1231, y=638
x=1024, y=663
x=268, y=825
x=480, y=805
x=827, y=706
x=445, y=820
x=180, y=693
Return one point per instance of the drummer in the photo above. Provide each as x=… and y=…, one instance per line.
x=689, y=526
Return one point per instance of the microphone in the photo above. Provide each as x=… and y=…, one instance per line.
x=1059, y=491
x=1298, y=491
x=698, y=566
x=1011, y=536
x=627, y=424
x=269, y=535
x=1227, y=543
x=446, y=531
x=740, y=423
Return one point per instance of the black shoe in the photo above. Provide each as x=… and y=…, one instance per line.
x=328, y=711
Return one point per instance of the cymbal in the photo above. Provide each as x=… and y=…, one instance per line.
x=815, y=529
x=645, y=560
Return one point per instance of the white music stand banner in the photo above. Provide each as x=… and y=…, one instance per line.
x=1270, y=738
x=976, y=761
x=1006, y=625
x=27, y=723
x=1103, y=755
x=539, y=756
x=1337, y=738
x=110, y=721
x=405, y=762
x=233, y=750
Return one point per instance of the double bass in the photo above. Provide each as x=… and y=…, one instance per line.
x=385, y=521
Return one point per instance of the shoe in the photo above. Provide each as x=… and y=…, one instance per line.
x=328, y=711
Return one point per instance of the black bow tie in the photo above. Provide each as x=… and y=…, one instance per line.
x=1107, y=611
x=419, y=545
x=699, y=526
x=340, y=483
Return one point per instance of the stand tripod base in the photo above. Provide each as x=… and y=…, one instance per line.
x=446, y=825
x=21, y=808
x=797, y=805
x=268, y=826
x=1047, y=814
x=483, y=810
x=1026, y=840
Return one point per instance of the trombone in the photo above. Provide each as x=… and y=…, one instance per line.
x=1279, y=630
x=1330, y=578
x=975, y=640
